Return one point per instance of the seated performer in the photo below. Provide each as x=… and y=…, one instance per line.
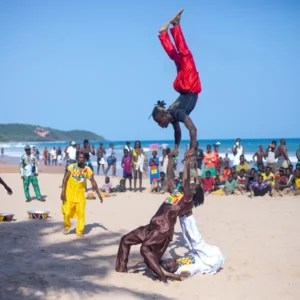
x=156, y=236
x=187, y=83
x=203, y=258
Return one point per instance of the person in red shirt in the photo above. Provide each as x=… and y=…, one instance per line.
x=187, y=84
x=208, y=183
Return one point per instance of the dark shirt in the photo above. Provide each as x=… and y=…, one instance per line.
x=199, y=157
x=59, y=152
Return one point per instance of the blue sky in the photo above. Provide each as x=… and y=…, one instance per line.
x=99, y=66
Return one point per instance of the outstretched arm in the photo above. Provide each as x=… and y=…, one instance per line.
x=8, y=189
x=170, y=175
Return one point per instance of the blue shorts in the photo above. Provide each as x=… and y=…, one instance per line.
x=127, y=175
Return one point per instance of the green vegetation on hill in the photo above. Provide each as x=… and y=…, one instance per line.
x=32, y=133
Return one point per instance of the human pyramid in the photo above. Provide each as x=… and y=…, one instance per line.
x=156, y=236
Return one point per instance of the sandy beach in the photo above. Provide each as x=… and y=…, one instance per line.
x=259, y=238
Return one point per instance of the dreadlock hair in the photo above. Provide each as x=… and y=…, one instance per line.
x=199, y=196
x=159, y=109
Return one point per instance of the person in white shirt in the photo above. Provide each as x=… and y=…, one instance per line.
x=71, y=154
x=127, y=147
x=111, y=160
x=54, y=156
x=237, y=151
x=164, y=160
x=29, y=172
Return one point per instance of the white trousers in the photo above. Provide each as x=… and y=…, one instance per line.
x=208, y=258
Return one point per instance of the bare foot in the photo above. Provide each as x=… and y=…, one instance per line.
x=66, y=231
x=176, y=20
x=164, y=28
x=80, y=235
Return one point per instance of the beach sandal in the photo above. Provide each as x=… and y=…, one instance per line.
x=41, y=199
x=28, y=200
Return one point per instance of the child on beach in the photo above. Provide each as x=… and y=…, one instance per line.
x=126, y=165
x=154, y=167
x=107, y=186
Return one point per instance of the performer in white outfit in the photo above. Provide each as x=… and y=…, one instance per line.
x=204, y=258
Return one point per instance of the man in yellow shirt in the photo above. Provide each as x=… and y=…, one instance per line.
x=268, y=176
x=72, y=194
x=242, y=165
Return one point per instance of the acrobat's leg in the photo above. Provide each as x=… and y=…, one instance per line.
x=168, y=46
x=134, y=237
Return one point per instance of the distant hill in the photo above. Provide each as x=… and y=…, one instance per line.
x=34, y=133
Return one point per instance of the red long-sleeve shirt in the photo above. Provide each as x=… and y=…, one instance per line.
x=187, y=79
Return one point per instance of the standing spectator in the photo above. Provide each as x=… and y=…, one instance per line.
x=226, y=159
x=199, y=158
x=138, y=164
x=298, y=156
x=45, y=154
x=242, y=164
x=126, y=165
x=49, y=158
x=283, y=157
x=271, y=156
x=88, y=150
x=237, y=151
x=54, y=156
x=208, y=182
x=164, y=160
x=217, y=156
x=2, y=151
x=210, y=160
x=154, y=167
x=111, y=160
x=77, y=151
x=145, y=165
x=59, y=156
x=128, y=147
x=260, y=155
x=71, y=154
x=100, y=158
x=29, y=173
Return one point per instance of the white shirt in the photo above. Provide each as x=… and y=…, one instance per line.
x=71, y=153
x=27, y=165
x=129, y=149
x=110, y=152
x=236, y=158
x=165, y=164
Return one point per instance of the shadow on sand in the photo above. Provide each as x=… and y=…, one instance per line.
x=34, y=268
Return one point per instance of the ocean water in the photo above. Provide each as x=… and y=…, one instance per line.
x=250, y=147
